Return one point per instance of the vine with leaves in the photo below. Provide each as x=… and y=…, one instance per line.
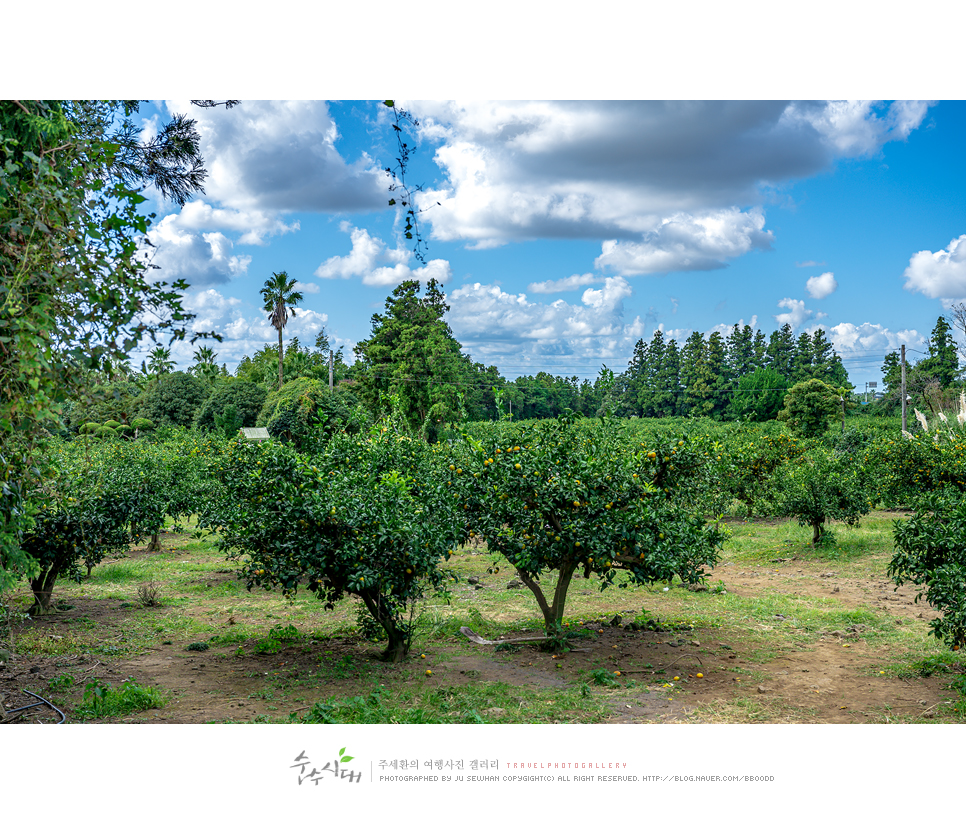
x=403, y=120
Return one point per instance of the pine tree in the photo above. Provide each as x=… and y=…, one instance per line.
x=696, y=379
x=741, y=352
x=667, y=382
x=719, y=376
x=759, y=348
x=413, y=358
x=650, y=392
x=781, y=351
x=634, y=379
x=802, y=364
x=943, y=360
x=826, y=364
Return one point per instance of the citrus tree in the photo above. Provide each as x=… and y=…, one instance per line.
x=820, y=486
x=88, y=506
x=931, y=554
x=748, y=460
x=99, y=497
x=172, y=474
x=564, y=496
x=931, y=458
x=367, y=517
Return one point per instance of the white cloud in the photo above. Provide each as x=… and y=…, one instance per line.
x=435, y=269
x=797, y=313
x=678, y=335
x=850, y=339
x=808, y=263
x=307, y=287
x=255, y=225
x=688, y=243
x=200, y=258
x=856, y=128
x=616, y=169
x=941, y=274
x=280, y=156
x=493, y=325
x=571, y=283
x=821, y=286
x=379, y=265
x=725, y=329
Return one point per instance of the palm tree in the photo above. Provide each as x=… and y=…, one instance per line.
x=280, y=299
x=205, y=367
x=204, y=355
x=160, y=362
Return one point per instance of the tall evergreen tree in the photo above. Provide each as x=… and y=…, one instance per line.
x=943, y=360
x=633, y=379
x=760, y=350
x=741, y=351
x=781, y=351
x=718, y=374
x=802, y=363
x=667, y=382
x=826, y=364
x=413, y=357
x=650, y=391
x=697, y=381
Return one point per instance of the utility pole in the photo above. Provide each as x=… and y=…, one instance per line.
x=330, y=369
x=903, y=364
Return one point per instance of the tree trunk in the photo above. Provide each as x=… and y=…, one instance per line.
x=399, y=638
x=43, y=588
x=552, y=612
x=816, y=533
x=279, y=358
x=155, y=543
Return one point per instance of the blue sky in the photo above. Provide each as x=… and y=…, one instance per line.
x=566, y=231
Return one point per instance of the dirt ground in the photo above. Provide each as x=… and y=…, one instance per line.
x=832, y=678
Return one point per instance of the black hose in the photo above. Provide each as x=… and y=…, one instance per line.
x=42, y=700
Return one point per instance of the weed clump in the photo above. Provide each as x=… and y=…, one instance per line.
x=149, y=594
x=104, y=701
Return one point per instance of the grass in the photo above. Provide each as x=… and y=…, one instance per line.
x=103, y=701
